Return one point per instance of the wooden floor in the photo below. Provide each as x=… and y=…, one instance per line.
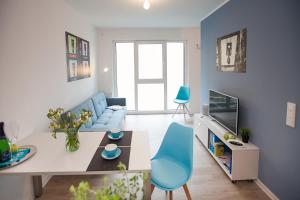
x=208, y=182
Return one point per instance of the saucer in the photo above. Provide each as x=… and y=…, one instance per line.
x=105, y=156
x=115, y=138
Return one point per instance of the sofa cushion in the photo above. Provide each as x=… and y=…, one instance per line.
x=107, y=113
x=102, y=120
x=110, y=119
x=100, y=103
x=92, y=109
x=116, y=121
x=100, y=127
x=87, y=105
x=122, y=112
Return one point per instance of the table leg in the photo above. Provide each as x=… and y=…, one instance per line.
x=37, y=186
x=147, y=187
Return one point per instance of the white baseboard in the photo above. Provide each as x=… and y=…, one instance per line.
x=266, y=190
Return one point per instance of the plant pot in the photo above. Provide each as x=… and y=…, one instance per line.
x=72, y=140
x=245, y=139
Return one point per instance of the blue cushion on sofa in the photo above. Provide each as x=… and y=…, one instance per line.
x=100, y=103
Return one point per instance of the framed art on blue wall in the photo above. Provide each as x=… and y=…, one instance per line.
x=78, y=57
x=231, y=52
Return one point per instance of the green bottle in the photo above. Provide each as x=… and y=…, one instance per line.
x=5, y=154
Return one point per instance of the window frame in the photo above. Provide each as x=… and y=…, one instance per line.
x=149, y=81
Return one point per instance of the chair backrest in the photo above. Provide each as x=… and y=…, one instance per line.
x=183, y=93
x=178, y=145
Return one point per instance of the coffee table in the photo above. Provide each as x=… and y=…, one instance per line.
x=53, y=159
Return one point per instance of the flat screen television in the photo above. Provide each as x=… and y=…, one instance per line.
x=224, y=109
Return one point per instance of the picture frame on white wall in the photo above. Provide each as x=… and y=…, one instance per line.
x=77, y=57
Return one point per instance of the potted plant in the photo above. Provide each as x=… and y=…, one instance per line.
x=124, y=188
x=245, y=133
x=68, y=123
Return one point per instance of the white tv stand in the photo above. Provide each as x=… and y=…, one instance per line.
x=244, y=159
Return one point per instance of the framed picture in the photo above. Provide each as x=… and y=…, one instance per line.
x=72, y=43
x=73, y=67
x=78, y=57
x=231, y=52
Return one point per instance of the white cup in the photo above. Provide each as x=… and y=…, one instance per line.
x=115, y=132
x=111, y=149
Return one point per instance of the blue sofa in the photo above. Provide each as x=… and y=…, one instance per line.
x=103, y=118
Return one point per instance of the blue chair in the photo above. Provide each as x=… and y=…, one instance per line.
x=173, y=164
x=182, y=98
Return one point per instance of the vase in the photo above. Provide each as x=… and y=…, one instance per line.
x=72, y=140
x=245, y=139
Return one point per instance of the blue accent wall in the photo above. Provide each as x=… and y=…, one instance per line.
x=272, y=79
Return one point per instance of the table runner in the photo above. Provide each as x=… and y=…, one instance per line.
x=100, y=164
x=125, y=141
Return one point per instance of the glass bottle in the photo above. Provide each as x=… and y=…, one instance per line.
x=5, y=153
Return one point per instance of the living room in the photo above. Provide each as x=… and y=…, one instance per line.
x=36, y=76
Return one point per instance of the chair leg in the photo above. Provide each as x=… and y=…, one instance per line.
x=152, y=188
x=171, y=195
x=176, y=110
x=184, y=111
x=187, y=109
x=187, y=193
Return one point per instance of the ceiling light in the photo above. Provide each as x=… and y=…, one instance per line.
x=146, y=4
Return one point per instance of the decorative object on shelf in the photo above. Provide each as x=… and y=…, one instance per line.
x=235, y=142
x=78, y=57
x=245, y=133
x=231, y=52
x=5, y=151
x=126, y=187
x=219, y=149
x=205, y=109
x=229, y=136
x=68, y=123
x=23, y=153
x=226, y=136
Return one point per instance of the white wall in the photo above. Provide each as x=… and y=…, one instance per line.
x=33, y=73
x=105, y=54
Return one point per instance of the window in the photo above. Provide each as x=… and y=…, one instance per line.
x=149, y=74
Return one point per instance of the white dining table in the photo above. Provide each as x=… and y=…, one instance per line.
x=52, y=158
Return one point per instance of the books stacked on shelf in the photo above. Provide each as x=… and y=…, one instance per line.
x=226, y=160
x=219, y=149
x=213, y=140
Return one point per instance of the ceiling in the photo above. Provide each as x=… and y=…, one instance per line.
x=130, y=13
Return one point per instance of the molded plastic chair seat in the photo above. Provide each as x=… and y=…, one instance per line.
x=180, y=101
x=183, y=98
x=168, y=174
